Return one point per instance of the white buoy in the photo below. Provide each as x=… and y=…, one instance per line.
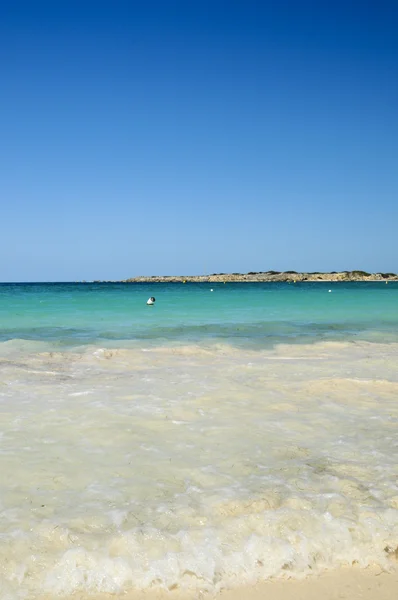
x=211, y=290
x=330, y=290
x=151, y=301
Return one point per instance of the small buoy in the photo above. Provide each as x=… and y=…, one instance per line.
x=184, y=281
x=150, y=301
x=211, y=290
x=330, y=290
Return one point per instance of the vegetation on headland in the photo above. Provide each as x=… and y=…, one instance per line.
x=268, y=276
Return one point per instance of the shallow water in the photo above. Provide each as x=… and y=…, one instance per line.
x=196, y=459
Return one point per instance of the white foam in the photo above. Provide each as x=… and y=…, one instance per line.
x=284, y=544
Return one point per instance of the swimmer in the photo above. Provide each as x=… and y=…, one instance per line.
x=151, y=301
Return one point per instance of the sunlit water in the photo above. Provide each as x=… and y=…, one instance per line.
x=214, y=439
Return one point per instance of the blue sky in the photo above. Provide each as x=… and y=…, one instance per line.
x=196, y=137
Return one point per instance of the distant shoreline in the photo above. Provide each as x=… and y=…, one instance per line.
x=266, y=276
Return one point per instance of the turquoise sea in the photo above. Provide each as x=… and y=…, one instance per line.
x=230, y=433
x=256, y=314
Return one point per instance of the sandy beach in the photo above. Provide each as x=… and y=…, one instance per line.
x=199, y=301
x=342, y=584
x=350, y=584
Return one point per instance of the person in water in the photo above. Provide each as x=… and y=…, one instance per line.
x=151, y=300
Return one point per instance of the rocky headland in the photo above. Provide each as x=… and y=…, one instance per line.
x=267, y=276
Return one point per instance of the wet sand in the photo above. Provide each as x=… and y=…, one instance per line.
x=341, y=584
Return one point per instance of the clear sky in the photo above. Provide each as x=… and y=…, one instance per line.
x=196, y=136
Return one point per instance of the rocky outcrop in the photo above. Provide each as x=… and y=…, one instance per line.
x=268, y=276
